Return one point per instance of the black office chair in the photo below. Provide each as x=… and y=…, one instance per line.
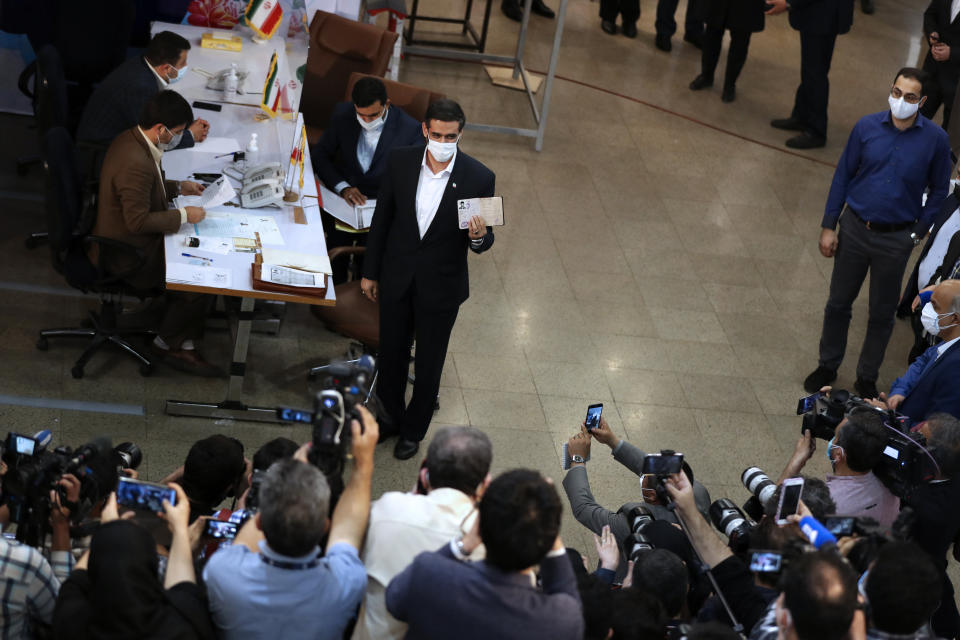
x=68, y=220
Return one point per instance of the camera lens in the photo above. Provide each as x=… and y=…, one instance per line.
x=758, y=483
x=726, y=516
x=640, y=517
x=636, y=544
x=129, y=455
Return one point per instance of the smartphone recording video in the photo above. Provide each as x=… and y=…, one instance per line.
x=221, y=530
x=790, y=493
x=594, y=412
x=662, y=464
x=145, y=496
x=808, y=403
x=765, y=562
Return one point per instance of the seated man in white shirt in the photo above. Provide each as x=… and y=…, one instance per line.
x=856, y=448
x=402, y=525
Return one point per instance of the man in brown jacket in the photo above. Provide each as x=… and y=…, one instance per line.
x=134, y=207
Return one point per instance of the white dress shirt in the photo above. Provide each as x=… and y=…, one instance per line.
x=163, y=81
x=430, y=190
x=943, y=346
x=366, y=148
x=954, y=9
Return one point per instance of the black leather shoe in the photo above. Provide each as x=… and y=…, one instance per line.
x=806, y=141
x=701, y=82
x=788, y=124
x=867, y=6
x=541, y=9
x=819, y=379
x=608, y=27
x=866, y=388
x=729, y=93
x=511, y=9
x=696, y=41
x=386, y=433
x=630, y=29
x=405, y=449
x=663, y=42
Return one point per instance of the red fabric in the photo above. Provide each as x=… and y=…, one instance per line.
x=219, y=14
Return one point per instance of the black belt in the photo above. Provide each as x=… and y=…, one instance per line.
x=882, y=227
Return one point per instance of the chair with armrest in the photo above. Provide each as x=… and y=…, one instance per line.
x=69, y=207
x=338, y=47
x=412, y=99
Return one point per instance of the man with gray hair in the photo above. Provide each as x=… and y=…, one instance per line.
x=452, y=480
x=273, y=581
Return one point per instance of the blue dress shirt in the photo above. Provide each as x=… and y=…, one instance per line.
x=883, y=172
x=283, y=597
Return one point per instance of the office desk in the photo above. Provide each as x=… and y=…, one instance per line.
x=276, y=140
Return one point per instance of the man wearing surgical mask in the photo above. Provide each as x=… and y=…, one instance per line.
x=932, y=383
x=891, y=158
x=115, y=104
x=416, y=265
x=351, y=156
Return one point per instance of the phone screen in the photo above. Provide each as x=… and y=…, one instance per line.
x=840, y=526
x=24, y=445
x=808, y=403
x=594, y=412
x=660, y=465
x=144, y=495
x=221, y=530
x=765, y=562
x=789, y=499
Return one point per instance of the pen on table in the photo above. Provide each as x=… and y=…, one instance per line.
x=190, y=255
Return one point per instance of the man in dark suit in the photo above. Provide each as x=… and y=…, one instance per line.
x=116, y=103
x=931, y=384
x=416, y=264
x=351, y=157
x=819, y=23
x=133, y=207
x=441, y=596
x=942, y=29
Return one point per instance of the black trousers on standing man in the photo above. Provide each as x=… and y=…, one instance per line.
x=813, y=94
x=629, y=9
x=666, y=24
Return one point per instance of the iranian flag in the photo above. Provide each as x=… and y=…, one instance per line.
x=276, y=97
x=264, y=17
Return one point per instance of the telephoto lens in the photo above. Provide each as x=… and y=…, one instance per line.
x=128, y=455
x=758, y=483
x=640, y=516
x=636, y=543
x=729, y=519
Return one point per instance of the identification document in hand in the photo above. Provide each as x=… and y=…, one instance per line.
x=490, y=209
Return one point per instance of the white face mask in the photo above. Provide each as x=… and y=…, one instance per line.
x=441, y=151
x=901, y=109
x=180, y=73
x=375, y=124
x=931, y=320
x=172, y=144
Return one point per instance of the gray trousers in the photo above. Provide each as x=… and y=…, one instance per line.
x=885, y=255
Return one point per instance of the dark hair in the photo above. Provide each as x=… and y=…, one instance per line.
x=368, y=90
x=165, y=48
x=816, y=495
x=820, y=591
x=663, y=575
x=903, y=588
x=277, y=449
x=459, y=458
x=168, y=108
x=784, y=540
x=294, y=501
x=944, y=443
x=637, y=615
x=212, y=468
x=863, y=438
x=597, y=607
x=912, y=73
x=445, y=110
x=519, y=519
x=711, y=631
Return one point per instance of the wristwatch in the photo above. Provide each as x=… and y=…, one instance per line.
x=576, y=458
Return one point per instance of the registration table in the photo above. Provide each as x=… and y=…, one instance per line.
x=299, y=224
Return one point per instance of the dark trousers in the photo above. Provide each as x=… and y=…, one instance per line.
x=629, y=9
x=813, y=94
x=693, y=19
x=184, y=314
x=885, y=256
x=736, y=57
x=946, y=619
x=939, y=91
x=399, y=321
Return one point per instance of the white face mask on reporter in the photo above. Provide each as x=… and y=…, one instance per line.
x=375, y=124
x=930, y=320
x=442, y=151
x=901, y=109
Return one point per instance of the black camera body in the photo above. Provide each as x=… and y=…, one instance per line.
x=637, y=543
x=734, y=524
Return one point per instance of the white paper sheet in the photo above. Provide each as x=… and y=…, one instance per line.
x=222, y=246
x=490, y=209
x=297, y=260
x=291, y=277
x=238, y=225
x=197, y=275
x=358, y=217
x=216, y=145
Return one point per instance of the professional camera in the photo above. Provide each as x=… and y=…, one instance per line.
x=758, y=483
x=637, y=543
x=33, y=472
x=822, y=413
x=729, y=519
x=346, y=386
x=905, y=463
x=252, y=502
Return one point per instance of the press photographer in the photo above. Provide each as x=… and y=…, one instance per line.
x=593, y=516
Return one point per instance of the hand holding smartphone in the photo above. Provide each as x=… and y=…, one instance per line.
x=790, y=492
x=146, y=496
x=594, y=412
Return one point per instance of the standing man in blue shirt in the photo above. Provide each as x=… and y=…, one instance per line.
x=891, y=158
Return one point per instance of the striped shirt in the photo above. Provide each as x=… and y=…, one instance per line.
x=29, y=586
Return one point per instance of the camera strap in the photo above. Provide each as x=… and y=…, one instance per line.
x=291, y=566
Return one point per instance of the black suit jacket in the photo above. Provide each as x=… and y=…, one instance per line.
x=335, y=156
x=950, y=204
x=115, y=104
x=736, y=15
x=937, y=390
x=398, y=259
x=821, y=17
x=937, y=19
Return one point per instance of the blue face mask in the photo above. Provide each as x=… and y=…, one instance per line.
x=830, y=446
x=180, y=73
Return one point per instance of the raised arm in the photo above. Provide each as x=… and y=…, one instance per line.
x=353, y=510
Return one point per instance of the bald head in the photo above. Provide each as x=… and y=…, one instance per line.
x=946, y=300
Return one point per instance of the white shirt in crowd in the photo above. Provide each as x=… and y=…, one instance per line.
x=403, y=525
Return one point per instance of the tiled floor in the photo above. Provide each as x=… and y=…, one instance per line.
x=660, y=257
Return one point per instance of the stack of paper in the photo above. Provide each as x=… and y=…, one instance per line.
x=358, y=217
x=297, y=260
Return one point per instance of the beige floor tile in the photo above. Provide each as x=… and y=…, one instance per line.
x=646, y=387
x=730, y=298
x=631, y=352
x=623, y=318
x=723, y=393
x=703, y=357
x=551, y=345
x=673, y=293
x=570, y=380
x=495, y=374
x=504, y=409
x=691, y=326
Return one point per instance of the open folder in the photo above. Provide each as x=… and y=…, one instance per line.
x=358, y=217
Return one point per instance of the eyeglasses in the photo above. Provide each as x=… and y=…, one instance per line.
x=912, y=98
